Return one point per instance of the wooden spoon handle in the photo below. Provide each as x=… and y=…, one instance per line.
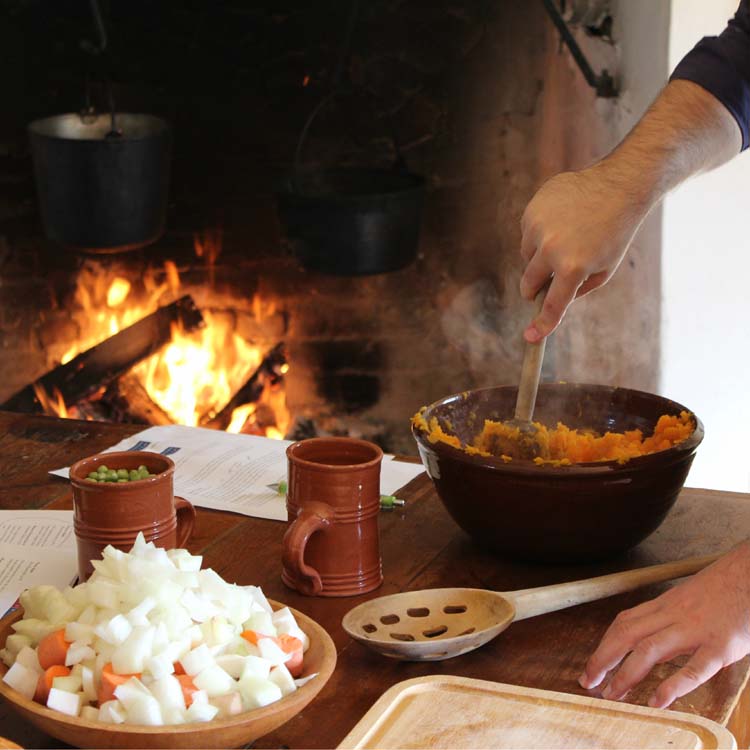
x=538, y=601
x=531, y=369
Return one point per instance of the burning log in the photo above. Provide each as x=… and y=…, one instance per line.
x=92, y=370
x=128, y=401
x=269, y=373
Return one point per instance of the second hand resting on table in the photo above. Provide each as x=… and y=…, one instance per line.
x=707, y=616
x=576, y=231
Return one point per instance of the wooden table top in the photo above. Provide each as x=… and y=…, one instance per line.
x=421, y=548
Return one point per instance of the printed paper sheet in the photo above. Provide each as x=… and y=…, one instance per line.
x=36, y=546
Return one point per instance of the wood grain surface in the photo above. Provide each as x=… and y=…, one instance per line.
x=421, y=548
x=460, y=713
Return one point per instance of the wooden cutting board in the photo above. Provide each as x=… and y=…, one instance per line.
x=456, y=712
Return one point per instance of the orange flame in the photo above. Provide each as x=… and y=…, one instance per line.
x=54, y=405
x=197, y=373
x=208, y=246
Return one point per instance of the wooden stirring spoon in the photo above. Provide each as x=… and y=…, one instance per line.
x=437, y=624
x=525, y=443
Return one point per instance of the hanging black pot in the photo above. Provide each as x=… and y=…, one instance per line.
x=102, y=187
x=351, y=221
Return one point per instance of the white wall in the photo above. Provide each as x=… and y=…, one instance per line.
x=706, y=289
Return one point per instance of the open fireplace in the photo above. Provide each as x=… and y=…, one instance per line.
x=479, y=98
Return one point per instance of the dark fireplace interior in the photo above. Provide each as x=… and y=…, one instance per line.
x=483, y=102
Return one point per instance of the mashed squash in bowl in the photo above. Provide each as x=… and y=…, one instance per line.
x=562, y=445
x=615, y=463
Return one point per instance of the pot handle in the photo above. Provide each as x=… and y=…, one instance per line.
x=313, y=517
x=336, y=89
x=399, y=162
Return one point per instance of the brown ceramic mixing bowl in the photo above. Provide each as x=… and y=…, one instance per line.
x=576, y=513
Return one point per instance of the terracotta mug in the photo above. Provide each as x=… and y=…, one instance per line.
x=332, y=546
x=113, y=513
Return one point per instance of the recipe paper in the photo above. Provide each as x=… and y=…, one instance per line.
x=237, y=473
x=36, y=546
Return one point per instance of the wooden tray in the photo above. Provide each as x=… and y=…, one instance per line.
x=457, y=712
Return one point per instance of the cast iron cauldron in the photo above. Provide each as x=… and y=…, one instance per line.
x=577, y=513
x=353, y=221
x=97, y=191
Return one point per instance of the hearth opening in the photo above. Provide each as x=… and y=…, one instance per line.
x=143, y=352
x=253, y=329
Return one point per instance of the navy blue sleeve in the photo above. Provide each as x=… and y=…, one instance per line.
x=721, y=65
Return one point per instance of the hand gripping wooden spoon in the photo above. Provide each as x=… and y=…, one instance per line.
x=436, y=624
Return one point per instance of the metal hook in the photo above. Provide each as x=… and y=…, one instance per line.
x=603, y=84
x=114, y=132
x=99, y=23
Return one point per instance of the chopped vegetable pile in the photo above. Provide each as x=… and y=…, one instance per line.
x=152, y=639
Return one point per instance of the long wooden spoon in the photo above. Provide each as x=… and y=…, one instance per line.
x=436, y=624
x=524, y=444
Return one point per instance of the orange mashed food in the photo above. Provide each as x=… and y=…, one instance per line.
x=564, y=445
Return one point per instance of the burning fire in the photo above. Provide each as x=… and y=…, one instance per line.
x=198, y=373
x=194, y=376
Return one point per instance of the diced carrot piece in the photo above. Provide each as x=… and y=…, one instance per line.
x=292, y=645
x=52, y=649
x=252, y=636
x=178, y=668
x=44, y=685
x=188, y=688
x=110, y=680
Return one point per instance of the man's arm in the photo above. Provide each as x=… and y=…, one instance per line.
x=721, y=65
x=579, y=225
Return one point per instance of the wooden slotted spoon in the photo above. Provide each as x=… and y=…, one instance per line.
x=437, y=624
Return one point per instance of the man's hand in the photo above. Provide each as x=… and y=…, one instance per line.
x=579, y=225
x=707, y=616
x=576, y=229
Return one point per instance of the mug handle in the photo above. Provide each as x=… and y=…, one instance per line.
x=185, y=520
x=313, y=517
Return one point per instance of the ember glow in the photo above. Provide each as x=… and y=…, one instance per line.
x=194, y=376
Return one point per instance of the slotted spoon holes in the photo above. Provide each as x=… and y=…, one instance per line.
x=403, y=637
x=433, y=619
x=428, y=634
x=436, y=623
x=418, y=612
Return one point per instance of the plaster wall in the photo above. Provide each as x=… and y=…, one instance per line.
x=706, y=306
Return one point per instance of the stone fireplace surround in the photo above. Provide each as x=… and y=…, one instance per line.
x=486, y=104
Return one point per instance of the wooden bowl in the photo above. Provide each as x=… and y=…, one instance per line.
x=577, y=513
x=235, y=732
